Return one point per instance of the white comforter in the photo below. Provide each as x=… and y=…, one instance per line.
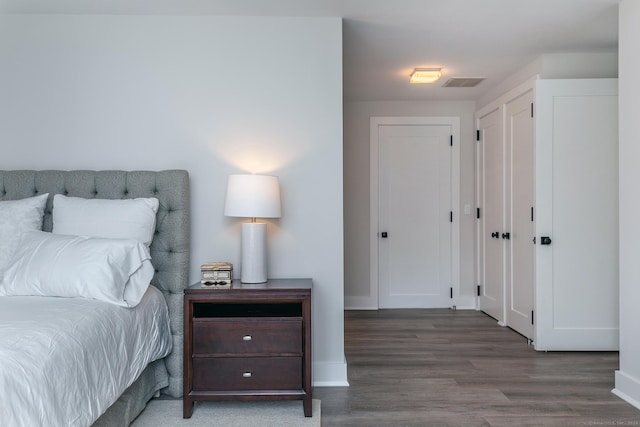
x=64, y=361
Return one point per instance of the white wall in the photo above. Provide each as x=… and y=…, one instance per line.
x=356, y=188
x=213, y=95
x=628, y=376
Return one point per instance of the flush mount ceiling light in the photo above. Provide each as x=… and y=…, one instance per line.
x=425, y=75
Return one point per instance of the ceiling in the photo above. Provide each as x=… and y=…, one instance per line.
x=385, y=39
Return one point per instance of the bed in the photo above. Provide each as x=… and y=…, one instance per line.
x=169, y=250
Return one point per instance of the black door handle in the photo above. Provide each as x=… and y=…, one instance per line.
x=545, y=240
x=506, y=236
x=383, y=234
x=495, y=235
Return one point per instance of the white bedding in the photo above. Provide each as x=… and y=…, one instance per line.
x=64, y=361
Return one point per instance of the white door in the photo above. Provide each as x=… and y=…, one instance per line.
x=520, y=178
x=491, y=153
x=577, y=208
x=414, y=216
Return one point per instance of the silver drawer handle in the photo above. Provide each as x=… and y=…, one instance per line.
x=247, y=375
x=246, y=338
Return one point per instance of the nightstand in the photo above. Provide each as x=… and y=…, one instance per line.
x=249, y=342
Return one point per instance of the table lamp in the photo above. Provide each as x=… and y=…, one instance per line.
x=253, y=196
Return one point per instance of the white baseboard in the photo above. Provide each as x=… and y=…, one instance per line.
x=360, y=303
x=627, y=388
x=367, y=303
x=361, y=308
x=467, y=302
x=330, y=374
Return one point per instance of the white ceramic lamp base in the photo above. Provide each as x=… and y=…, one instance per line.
x=254, y=253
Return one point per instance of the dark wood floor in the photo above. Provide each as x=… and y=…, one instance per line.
x=459, y=368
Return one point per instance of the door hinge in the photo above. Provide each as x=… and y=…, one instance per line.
x=451, y=140
x=532, y=317
x=450, y=216
x=531, y=213
x=478, y=290
x=532, y=109
x=451, y=293
x=478, y=135
x=478, y=213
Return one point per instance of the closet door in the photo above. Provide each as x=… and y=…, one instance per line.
x=491, y=174
x=519, y=210
x=577, y=208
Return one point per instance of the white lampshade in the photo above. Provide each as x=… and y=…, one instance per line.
x=253, y=196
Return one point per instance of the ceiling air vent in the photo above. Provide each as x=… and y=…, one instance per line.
x=463, y=81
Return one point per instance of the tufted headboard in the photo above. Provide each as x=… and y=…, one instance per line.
x=170, y=246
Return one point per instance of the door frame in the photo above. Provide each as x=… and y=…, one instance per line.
x=375, y=123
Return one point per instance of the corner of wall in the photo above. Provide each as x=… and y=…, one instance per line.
x=627, y=389
x=527, y=72
x=327, y=374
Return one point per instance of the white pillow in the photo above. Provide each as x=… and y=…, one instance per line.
x=17, y=216
x=46, y=264
x=115, y=219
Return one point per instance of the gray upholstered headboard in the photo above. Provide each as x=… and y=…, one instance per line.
x=170, y=246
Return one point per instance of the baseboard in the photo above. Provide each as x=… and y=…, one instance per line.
x=368, y=303
x=466, y=302
x=360, y=303
x=627, y=388
x=359, y=308
x=330, y=374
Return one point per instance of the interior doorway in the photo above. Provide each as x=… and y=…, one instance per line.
x=414, y=211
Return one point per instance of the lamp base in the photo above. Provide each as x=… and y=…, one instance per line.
x=254, y=253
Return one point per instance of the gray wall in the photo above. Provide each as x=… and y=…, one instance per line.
x=213, y=95
x=628, y=377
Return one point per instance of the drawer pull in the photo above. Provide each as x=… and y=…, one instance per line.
x=246, y=374
x=246, y=338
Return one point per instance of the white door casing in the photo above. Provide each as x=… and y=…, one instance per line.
x=411, y=141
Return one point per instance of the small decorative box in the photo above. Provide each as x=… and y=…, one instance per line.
x=216, y=275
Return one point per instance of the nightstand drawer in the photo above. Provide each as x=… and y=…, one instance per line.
x=247, y=373
x=244, y=336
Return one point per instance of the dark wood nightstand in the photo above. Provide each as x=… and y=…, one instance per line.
x=249, y=342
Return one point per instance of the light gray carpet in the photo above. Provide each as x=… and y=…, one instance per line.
x=288, y=413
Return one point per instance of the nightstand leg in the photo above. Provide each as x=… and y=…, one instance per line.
x=187, y=408
x=306, y=405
